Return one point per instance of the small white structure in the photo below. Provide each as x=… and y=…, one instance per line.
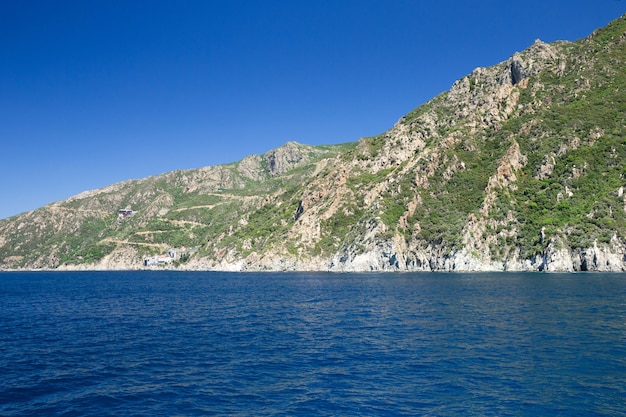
x=160, y=260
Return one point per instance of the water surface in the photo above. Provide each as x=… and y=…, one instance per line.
x=192, y=344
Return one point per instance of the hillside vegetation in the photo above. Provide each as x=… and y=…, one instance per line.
x=519, y=166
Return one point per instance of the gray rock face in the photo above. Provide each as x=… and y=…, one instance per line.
x=536, y=58
x=286, y=157
x=251, y=167
x=517, y=69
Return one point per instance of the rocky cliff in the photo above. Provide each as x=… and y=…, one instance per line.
x=519, y=166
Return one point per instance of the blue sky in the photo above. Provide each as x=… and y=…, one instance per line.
x=99, y=91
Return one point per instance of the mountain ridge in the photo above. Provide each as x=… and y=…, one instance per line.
x=519, y=166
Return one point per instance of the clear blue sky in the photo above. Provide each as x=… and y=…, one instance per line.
x=93, y=92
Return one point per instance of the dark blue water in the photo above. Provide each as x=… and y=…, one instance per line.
x=190, y=344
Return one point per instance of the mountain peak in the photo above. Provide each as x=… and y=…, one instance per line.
x=287, y=157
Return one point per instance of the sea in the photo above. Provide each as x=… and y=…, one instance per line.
x=166, y=343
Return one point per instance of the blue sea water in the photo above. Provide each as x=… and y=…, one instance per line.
x=298, y=344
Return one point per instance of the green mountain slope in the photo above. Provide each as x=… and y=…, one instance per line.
x=176, y=209
x=519, y=166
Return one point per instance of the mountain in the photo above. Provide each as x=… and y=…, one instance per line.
x=519, y=166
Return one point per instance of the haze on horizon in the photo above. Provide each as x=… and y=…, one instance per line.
x=93, y=93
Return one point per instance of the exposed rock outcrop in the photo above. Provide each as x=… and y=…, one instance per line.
x=287, y=157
